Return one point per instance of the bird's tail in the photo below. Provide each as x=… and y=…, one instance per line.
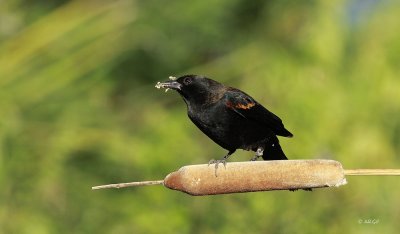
x=273, y=151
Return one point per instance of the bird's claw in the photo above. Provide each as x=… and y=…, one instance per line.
x=216, y=162
x=255, y=158
x=259, y=153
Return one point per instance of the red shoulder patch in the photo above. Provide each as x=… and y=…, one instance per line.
x=240, y=105
x=245, y=106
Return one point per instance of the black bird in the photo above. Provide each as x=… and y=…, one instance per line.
x=230, y=117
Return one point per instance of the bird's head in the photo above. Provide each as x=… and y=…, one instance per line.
x=193, y=88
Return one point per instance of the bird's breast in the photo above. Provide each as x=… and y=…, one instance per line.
x=219, y=125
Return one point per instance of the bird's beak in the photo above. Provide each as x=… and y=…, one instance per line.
x=170, y=84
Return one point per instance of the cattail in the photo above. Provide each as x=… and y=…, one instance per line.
x=241, y=177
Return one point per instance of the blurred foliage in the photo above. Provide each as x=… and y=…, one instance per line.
x=78, y=108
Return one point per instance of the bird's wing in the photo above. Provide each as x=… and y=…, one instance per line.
x=248, y=108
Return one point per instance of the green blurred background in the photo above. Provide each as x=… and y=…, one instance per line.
x=78, y=108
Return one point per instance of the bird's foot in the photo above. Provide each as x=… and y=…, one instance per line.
x=216, y=162
x=255, y=158
x=259, y=153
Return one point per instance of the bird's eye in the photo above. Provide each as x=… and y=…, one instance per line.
x=187, y=80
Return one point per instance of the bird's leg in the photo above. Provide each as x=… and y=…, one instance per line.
x=223, y=161
x=259, y=153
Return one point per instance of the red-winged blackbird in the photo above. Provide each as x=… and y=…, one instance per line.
x=230, y=117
